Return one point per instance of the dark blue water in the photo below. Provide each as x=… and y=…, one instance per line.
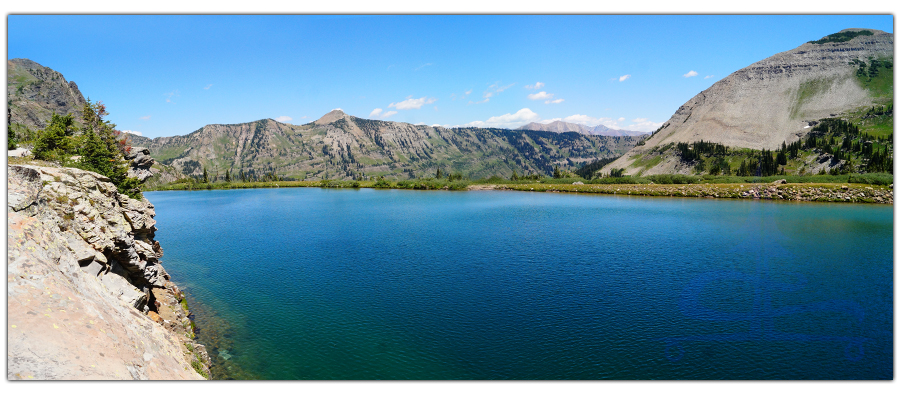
x=392, y=284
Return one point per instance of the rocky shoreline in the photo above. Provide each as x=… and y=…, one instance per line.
x=779, y=190
x=87, y=295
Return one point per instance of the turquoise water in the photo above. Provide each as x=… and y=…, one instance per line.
x=312, y=283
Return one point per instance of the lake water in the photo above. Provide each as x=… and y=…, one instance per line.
x=309, y=283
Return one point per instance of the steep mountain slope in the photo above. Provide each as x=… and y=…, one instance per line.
x=340, y=146
x=771, y=101
x=563, y=127
x=35, y=92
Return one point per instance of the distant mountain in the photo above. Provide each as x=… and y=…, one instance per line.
x=562, y=127
x=341, y=146
x=773, y=101
x=35, y=92
x=336, y=146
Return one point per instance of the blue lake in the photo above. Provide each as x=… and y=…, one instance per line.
x=308, y=283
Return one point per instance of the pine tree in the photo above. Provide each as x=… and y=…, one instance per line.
x=55, y=141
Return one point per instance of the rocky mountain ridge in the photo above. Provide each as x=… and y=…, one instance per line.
x=88, y=297
x=341, y=146
x=563, y=127
x=35, y=92
x=769, y=102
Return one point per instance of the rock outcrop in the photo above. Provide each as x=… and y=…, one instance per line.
x=88, y=296
x=140, y=163
x=769, y=102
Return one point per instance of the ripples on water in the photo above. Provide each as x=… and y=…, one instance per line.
x=392, y=284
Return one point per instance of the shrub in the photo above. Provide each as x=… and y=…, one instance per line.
x=620, y=180
x=881, y=179
x=673, y=179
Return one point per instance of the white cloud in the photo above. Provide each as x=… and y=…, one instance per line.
x=550, y=120
x=520, y=118
x=709, y=76
x=283, y=119
x=423, y=66
x=493, y=90
x=137, y=133
x=469, y=92
x=171, y=95
x=207, y=87
x=412, y=103
x=338, y=109
x=145, y=118
x=377, y=113
x=625, y=77
x=540, y=96
x=621, y=119
x=535, y=86
x=557, y=101
x=691, y=73
x=643, y=124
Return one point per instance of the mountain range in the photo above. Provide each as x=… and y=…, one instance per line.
x=563, y=127
x=336, y=146
x=762, y=106
x=341, y=146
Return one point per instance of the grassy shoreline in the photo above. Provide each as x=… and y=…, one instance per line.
x=787, y=191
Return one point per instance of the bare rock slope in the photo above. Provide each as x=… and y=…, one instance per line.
x=87, y=295
x=771, y=101
x=35, y=92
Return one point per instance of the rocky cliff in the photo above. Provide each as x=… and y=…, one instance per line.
x=87, y=295
x=35, y=92
x=771, y=101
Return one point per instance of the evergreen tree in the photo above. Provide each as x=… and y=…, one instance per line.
x=102, y=151
x=56, y=140
x=11, y=139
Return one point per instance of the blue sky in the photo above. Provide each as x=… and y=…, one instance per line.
x=170, y=75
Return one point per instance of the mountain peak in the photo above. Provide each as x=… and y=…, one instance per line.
x=332, y=116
